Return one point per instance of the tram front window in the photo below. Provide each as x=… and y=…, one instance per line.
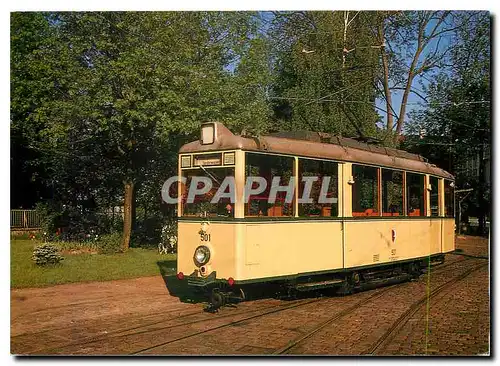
x=203, y=204
x=269, y=167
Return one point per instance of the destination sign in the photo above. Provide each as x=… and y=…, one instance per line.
x=208, y=160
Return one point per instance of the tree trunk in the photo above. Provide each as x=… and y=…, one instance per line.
x=127, y=214
x=134, y=208
x=411, y=74
x=404, y=101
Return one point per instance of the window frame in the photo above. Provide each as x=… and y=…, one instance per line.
x=378, y=201
x=403, y=191
x=292, y=175
x=337, y=184
x=445, y=215
x=423, y=195
x=431, y=177
x=185, y=173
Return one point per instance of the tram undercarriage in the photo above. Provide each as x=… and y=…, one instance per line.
x=221, y=292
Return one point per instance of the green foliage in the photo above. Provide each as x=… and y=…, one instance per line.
x=113, y=95
x=317, y=88
x=99, y=99
x=69, y=223
x=455, y=131
x=110, y=244
x=49, y=219
x=46, y=254
x=169, y=236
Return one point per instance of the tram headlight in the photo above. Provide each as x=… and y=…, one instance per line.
x=201, y=255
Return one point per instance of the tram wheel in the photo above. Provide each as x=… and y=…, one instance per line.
x=347, y=286
x=414, y=270
x=356, y=279
x=217, y=299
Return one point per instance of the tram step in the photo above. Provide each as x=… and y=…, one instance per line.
x=317, y=285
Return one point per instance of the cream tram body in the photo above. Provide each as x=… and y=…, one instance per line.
x=275, y=245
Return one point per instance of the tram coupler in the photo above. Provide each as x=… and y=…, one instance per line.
x=220, y=298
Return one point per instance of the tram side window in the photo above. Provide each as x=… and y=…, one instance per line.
x=434, y=196
x=267, y=167
x=365, y=191
x=415, y=194
x=449, y=199
x=392, y=192
x=322, y=200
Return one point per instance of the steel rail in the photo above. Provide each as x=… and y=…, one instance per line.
x=348, y=311
x=143, y=328
x=416, y=306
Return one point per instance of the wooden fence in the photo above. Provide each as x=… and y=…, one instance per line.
x=24, y=219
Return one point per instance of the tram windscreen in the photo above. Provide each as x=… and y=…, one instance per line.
x=207, y=204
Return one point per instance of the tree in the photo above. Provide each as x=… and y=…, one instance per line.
x=414, y=44
x=127, y=89
x=325, y=64
x=30, y=87
x=457, y=122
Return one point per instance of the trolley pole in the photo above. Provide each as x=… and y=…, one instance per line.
x=468, y=190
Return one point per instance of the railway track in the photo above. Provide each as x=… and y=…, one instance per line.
x=272, y=311
x=261, y=312
x=396, y=325
x=345, y=312
x=403, y=319
x=319, y=327
x=146, y=328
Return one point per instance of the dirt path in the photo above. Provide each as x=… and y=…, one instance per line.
x=85, y=309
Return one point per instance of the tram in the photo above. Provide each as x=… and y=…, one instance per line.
x=385, y=212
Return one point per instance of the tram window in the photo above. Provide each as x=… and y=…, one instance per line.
x=201, y=204
x=415, y=194
x=434, y=196
x=365, y=191
x=323, y=202
x=392, y=192
x=267, y=167
x=449, y=199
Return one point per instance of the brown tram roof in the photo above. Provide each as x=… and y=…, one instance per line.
x=317, y=145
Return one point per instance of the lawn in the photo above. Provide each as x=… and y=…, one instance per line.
x=85, y=267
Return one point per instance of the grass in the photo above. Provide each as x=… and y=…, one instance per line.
x=136, y=262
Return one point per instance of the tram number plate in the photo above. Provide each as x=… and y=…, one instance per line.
x=205, y=237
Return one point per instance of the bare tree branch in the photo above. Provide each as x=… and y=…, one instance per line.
x=412, y=90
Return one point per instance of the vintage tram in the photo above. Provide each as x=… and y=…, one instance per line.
x=388, y=212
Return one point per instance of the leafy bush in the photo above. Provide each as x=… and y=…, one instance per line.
x=109, y=244
x=50, y=218
x=74, y=223
x=147, y=232
x=46, y=254
x=169, y=237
